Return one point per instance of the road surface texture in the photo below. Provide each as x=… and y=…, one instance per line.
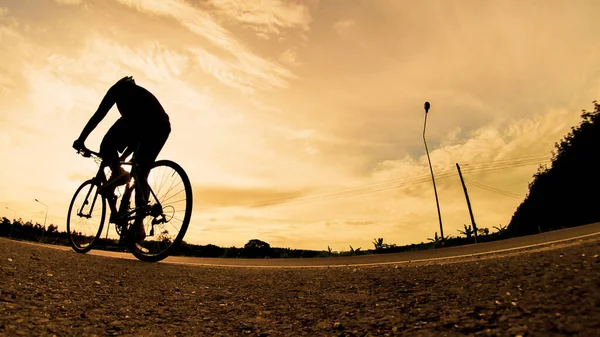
x=502, y=247
x=553, y=290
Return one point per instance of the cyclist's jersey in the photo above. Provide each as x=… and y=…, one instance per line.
x=136, y=104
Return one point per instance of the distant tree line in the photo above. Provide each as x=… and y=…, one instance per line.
x=17, y=229
x=565, y=193
x=32, y=232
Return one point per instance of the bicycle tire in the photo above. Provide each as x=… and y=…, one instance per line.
x=73, y=228
x=141, y=250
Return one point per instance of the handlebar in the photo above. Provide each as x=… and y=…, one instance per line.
x=88, y=153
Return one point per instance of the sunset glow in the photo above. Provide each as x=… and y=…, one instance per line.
x=300, y=123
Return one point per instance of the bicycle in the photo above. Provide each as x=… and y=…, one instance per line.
x=166, y=182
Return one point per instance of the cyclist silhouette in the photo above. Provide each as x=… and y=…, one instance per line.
x=143, y=129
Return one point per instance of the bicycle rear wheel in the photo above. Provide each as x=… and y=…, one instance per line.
x=171, y=209
x=86, y=216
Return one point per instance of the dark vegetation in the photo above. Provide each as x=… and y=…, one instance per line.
x=566, y=193
x=560, y=196
x=255, y=248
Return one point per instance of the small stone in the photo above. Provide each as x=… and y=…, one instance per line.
x=518, y=330
x=338, y=325
x=49, y=275
x=97, y=282
x=9, y=259
x=550, y=326
x=507, y=293
x=582, y=255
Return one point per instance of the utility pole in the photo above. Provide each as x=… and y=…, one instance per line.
x=12, y=227
x=468, y=201
x=45, y=218
x=427, y=106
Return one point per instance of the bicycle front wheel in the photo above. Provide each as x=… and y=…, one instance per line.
x=171, y=204
x=86, y=217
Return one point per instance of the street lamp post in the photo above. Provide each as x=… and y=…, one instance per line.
x=427, y=106
x=45, y=218
x=12, y=227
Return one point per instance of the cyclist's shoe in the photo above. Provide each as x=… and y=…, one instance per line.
x=135, y=233
x=117, y=178
x=138, y=232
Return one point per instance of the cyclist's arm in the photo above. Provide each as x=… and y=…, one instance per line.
x=107, y=102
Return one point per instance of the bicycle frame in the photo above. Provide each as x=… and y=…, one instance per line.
x=121, y=216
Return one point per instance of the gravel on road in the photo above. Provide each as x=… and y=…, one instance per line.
x=552, y=292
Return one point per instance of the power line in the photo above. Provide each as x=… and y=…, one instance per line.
x=494, y=190
x=398, y=182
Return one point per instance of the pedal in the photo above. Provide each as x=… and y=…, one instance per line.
x=157, y=221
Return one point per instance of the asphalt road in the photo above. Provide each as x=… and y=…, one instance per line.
x=504, y=247
x=544, y=290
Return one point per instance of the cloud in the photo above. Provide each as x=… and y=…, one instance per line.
x=267, y=16
x=532, y=137
x=3, y=11
x=342, y=26
x=351, y=223
x=224, y=196
x=290, y=57
x=247, y=73
x=69, y=2
x=232, y=63
x=195, y=20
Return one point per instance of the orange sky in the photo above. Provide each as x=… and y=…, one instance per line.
x=319, y=103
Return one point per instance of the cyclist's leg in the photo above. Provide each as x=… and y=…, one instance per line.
x=151, y=142
x=116, y=140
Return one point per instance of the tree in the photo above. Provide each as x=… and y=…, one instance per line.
x=165, y=238
x=468, y=232
x=435, y=239
x=354, y=251
x=257, y=248
x=500, y=228
x=378, y=243
x=558, y=194
x=52, y=230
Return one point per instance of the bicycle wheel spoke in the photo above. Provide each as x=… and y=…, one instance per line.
x=171, y=189
x=162, y=183
x=85, y=218
x=165, y=199
x=174, y=195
